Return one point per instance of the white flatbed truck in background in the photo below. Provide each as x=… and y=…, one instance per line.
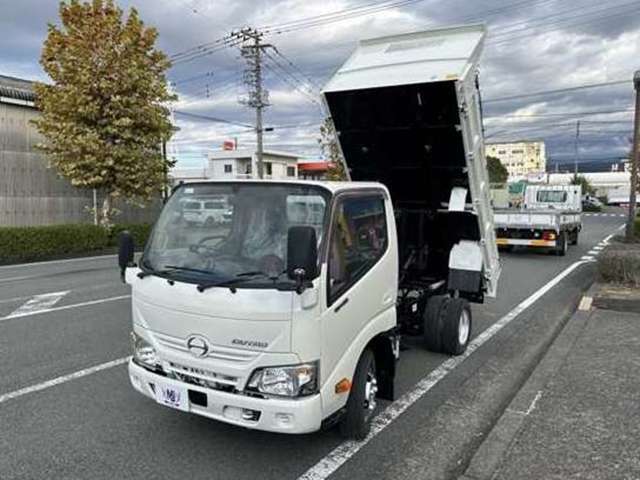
x=550, y=218
x=288, y=317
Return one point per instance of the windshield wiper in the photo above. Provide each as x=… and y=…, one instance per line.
x=239, y=278
x=171, y=268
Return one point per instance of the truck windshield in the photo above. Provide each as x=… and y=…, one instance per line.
x=551, y=196
x=248, y=235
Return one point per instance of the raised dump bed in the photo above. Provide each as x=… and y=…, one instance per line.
x=407, y=112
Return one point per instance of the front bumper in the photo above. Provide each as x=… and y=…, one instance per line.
x=302, y=415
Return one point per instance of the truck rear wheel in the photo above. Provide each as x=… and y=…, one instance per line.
x=433, y=323
x=447, y=325
x=562, y=244
x=456, y=330
x=574, y=237
x=361, y=404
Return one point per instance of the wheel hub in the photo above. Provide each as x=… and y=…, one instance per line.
x=464, y=327
x=370, y=392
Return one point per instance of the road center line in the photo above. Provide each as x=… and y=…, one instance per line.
x=62, y=379
x=343, y=452
x=18, y=314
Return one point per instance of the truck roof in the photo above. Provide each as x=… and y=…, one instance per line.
x=420, y=57
x=333, y=187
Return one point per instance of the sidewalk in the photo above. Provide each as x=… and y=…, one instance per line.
x=578, y=415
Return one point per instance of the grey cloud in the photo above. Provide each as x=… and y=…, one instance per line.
x=517, y=59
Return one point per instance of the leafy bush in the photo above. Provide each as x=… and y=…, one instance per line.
x=620, y=263
x=25, y=244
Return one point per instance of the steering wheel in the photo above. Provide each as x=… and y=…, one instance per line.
x=201, y=249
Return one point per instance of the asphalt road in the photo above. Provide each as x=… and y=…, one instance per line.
x=96, y=426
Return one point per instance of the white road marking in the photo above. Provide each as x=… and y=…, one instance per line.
x=343, y=452
x=38, y=303
x=586, y=257
x=65, y=307
x=62, y=379
x=533, y=403
x=592, y=252
x=531, y=407
x=598, y=248
x=48, y=262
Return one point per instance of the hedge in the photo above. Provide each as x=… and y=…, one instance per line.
x=620, y=263
x=24, y=244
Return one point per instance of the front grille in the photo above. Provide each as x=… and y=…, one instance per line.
x=232, y=355
x=203, y=378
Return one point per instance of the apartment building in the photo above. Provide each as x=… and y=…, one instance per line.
x=520, y=158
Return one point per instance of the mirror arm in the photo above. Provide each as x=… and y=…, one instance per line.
x=301, y=285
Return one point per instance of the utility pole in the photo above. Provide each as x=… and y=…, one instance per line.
x=257, y=97
x=576, y=150
x=635, y=154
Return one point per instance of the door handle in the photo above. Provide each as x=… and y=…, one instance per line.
x=341, y=304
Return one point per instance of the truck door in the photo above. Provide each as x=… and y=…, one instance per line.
x=361, y=277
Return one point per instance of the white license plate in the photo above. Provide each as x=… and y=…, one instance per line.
x=174, y=397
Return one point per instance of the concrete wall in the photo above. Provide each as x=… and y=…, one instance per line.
x=33, y=194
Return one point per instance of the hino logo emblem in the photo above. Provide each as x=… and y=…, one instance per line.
x=198, y=345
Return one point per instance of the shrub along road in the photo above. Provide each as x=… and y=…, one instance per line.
x=96, y=426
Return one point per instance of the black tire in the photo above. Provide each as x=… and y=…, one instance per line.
x=574, y=237
x=356, y=422
x=562, y=244
x=456, y=326
x=209, y=222
x=433, y=323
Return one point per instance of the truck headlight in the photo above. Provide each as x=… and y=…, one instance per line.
x=289, y=381
x=143, y=352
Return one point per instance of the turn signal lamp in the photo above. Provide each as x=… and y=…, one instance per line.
x=343, y=386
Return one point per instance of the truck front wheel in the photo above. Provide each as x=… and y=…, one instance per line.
x=361, y=404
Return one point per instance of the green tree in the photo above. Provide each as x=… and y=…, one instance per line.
x=331, y=151
x=587, y=188
x=497, y=171
x=104, y=115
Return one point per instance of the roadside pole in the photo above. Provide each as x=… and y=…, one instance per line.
x=634, y=161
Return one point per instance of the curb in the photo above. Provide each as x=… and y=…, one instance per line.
x=489, y=456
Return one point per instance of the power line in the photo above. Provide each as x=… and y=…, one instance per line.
x=211, y=119
x=558, y=90
x=547, y=30
x=530, y=23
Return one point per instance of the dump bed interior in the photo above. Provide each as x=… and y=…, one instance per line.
x=396, y=105
x=408, y=137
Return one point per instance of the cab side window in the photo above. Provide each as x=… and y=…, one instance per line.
x=358, y=240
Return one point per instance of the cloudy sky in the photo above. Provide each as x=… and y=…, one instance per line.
x=533, y=46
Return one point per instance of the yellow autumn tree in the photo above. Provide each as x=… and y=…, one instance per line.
x=104, y=114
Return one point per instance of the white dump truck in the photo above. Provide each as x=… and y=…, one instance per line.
x=550, y=218
x=288, y=317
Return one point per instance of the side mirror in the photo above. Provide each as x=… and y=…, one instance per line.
x=126, y=247
x=302, y=253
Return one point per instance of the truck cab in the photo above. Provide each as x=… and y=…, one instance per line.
x=261, y=322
